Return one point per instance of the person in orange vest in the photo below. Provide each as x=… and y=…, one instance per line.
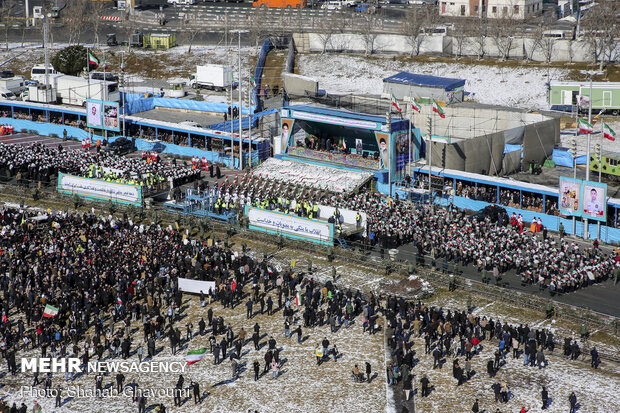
x=98, y=145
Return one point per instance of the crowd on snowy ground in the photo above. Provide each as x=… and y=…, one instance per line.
x=103, y=273
x=38, y=162
x=461, y=335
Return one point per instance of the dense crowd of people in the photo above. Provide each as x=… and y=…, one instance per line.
x=103, y=273
x=38, y=162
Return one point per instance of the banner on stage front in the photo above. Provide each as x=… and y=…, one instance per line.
x=290, y=225
x=100, y=189
x=196, y=286
x=570, y=196
x=594, y=200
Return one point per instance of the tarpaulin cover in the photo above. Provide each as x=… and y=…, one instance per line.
x=225, y=126
x=426, y=80
x=511, y=148
x=144, y=104
x=47, y=129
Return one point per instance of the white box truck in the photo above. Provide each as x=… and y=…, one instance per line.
x=73, y=90
x=215, y=77
x=15, y=84
x=39, y=93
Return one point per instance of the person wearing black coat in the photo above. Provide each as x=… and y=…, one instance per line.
x=545, y=397
x=475, y=408
x=425, y=386
x=572, y=399
x=491, y=368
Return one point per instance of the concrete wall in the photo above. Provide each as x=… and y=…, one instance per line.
x=563, y=50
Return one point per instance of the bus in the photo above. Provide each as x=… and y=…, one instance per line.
x=282, y=4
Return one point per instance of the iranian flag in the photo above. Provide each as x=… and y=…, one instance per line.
x=608, y=132
x=92, y=60
x=195, y=356
x=123, y=66
x=585, y=127
x=252, y=81
x=50, y=311
x=437, y=109
x=395, y=103
x=298, y=298
x=415, y=105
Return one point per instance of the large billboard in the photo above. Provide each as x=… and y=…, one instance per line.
x=93, y=113
x=594, y=200
x=290, y=225
x=570, y=196
x=110, y=116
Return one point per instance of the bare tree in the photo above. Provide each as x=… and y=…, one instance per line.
x=95, y=10
x=479, y=34
x=503, y=31
x=7, y=8
x=325, y=33
x=191, y=29
x=599, y=29
x=410, y=28
x=258, y=24
x=77, y=19
x=461, y=33
x=368, y=33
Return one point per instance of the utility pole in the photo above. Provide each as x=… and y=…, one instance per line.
x=123, y=93
x=240, y=102
x=430, y=155
x=585, y=230
x=573, y=151
x=27, y=8
x=388, y=117
x=250, y=90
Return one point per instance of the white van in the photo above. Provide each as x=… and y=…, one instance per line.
x=333, y=5
x=7, y=94
x=38, y=73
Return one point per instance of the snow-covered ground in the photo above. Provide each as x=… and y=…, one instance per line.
x=336, y=179
x=522, y=87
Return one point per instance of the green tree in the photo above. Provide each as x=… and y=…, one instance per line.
x=71, y=60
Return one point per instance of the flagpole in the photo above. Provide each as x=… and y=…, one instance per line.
x=105, y=87
x=430, y=154
x=600, y=167
x=409, y=139
x=585, y=231
x=250, y=89
x=123, y=93
x=90, y=130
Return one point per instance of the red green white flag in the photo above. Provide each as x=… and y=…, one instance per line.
x=252, y=81
x=123, y=66
x=50, y=311
x=395, y=103
x=415, y=105
x=608, y=132
x=194, y=356
x=92, y=60
x=585, y=127
x=298, y=298
x=437, y=109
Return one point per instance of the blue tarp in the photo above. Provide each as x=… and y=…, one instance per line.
x=144, y=104
x=415, y=79
x=47, y=129
x=512, y=148
x=562, y=157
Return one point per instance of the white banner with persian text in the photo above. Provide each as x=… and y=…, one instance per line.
x=96, y=188
x=288, y=224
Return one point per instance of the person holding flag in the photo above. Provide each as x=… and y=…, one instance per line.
x=50, y=311
x=194, y=356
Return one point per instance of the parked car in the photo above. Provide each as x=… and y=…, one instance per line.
x=120, y=146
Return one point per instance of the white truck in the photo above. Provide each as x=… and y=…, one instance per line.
x=211, y=76
x=15, y=84
x=39, y=93
x=37, y=73
x=74, y=90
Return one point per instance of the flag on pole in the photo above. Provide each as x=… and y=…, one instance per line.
x=92, y=60
x=415, y=105
x=395, y=103
x=437, y=109
x=105, y=65
x=252, y=81
x=118, y=300
x=585, y=127
x=298, y=298
x=50, y=311
x=123, y=65
x=608, y=132
x=194, y=356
